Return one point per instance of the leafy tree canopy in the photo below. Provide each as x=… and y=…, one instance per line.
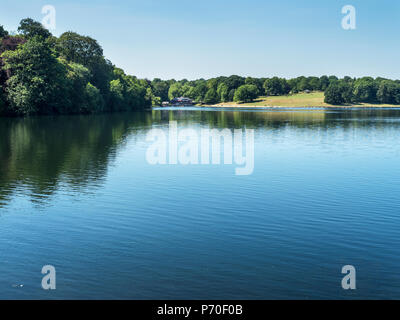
x=30, y=28
x=246, y=93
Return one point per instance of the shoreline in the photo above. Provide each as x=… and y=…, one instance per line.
x=311, y=100
x=300, y=107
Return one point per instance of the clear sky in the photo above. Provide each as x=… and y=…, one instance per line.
x=202, y=39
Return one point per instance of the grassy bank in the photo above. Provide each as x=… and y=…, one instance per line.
x=300, y=100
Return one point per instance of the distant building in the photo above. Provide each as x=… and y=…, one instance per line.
x=181, y=101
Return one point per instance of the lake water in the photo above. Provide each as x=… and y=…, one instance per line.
x=76, y=192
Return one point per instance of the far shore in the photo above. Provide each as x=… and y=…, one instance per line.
x=371, y=106
x=296, y=101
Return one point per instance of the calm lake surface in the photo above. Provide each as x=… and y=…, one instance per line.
x=77, y=193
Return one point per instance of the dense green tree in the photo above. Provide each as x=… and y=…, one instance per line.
x=348, y=79
x=186, y=89
x=200, y=90
x=231, y=95
x=78, y=77
x=338, y=93
x=80, y=49
x=175, y=91
x=259, y=83
x=223, y=92
x=87, y=52
x=128, y=93
x=272, y=86
x=314, y=83
x=365, y=90
x=347, y=91
x=160, y=89
x=276, y=86
x=246, y=93
x=101, y=75
x=333, y=94
x=30, y=28
x=42, y=74
x=211, y=96
x=388, y=92
x=212, y=83
x=155, y=101
x=303, y=84
x=3, y=32
x=38, y=80
x=234, y=82
x=3, y=107
x=285, y=86
x=136, y=96
x=333, y=79
x=324, y=82
x=117, y=90
x=293, y=85
x=93, y=100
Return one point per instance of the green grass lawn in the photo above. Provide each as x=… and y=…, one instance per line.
x=313, y=99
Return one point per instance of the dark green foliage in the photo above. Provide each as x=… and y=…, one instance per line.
x=93, y=100
x=38, y=80
x=78, y=77
x=324, y=82
x=223, y=92
x=2, y=103
x=276, y=86
x=259, y=83
x=175, y=90
x=41, y=74
x=234, y=82
x=314, y=83
x=333, y=94
x=365, y=90
x=211, y=96
x=341, y=91
x=303, y=84
x=127, y=93
x=388, y=92
x=246, y=93
x=338, y=93
x=87, y=52
x=3, y=32
x=79, y=49
x=30, y=28
x=160, y=89
x=86, y=97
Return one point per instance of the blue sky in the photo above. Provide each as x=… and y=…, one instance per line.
x=202, y=39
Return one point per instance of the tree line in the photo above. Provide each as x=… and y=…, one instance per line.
x=363, y=90
x=43, y=74
x=240, y=89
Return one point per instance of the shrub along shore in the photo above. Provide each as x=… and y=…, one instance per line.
x=43, y=74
